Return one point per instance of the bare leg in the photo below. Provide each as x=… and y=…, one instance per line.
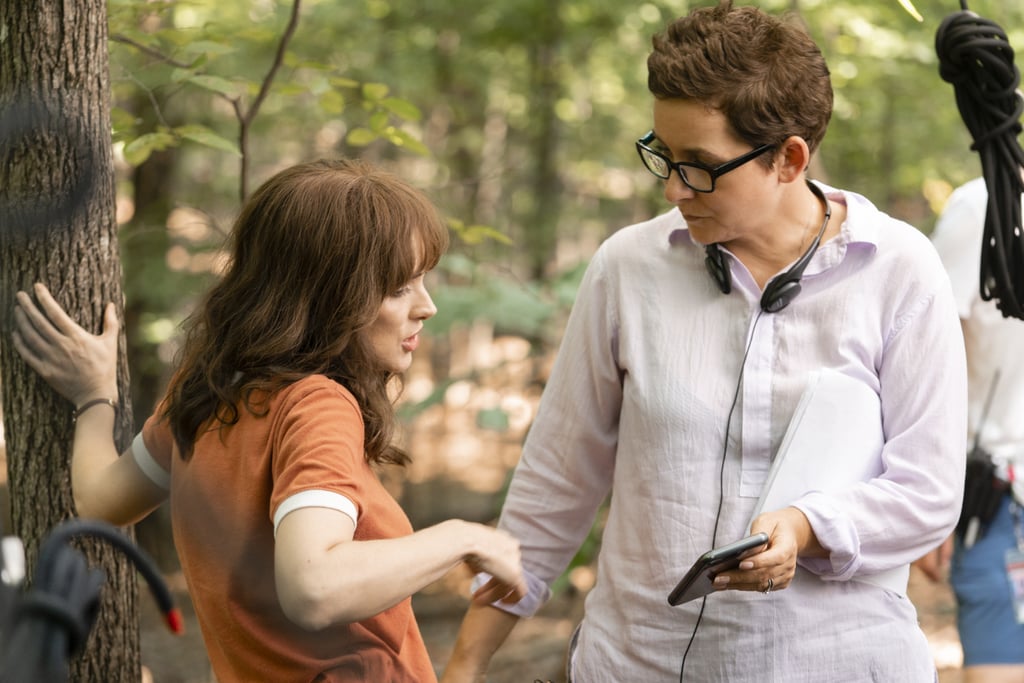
x=994, y=673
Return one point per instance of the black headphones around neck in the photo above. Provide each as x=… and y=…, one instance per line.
x=784, y=287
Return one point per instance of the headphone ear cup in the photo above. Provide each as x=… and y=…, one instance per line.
x=779, y=294
x=714, y=261
x=781, y=291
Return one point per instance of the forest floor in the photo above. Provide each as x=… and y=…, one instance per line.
x=535, y=649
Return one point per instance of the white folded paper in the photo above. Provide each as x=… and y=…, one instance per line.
x=834, y=440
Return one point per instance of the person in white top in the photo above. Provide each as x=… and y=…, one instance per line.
x=990, y=633
x=690, y=344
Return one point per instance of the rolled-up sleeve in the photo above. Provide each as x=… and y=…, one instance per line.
x=568, y=458
x=914, y=503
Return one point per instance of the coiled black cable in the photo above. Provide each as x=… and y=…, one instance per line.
x=976, y=57
x=51, y=622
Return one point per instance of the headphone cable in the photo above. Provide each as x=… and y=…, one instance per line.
x=721, y=482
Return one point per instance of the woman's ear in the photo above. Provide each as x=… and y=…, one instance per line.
x=793, y=158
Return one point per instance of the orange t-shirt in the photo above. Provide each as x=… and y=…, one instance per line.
x=223, y=501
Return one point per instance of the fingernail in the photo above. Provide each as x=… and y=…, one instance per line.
x=721, y=580
x=746, y=565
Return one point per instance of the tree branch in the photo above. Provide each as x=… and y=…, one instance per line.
x=145, y=49
x=289, y=31
x=245, y=118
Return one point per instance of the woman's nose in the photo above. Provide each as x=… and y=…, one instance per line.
x=675, y=189
x=425, y=307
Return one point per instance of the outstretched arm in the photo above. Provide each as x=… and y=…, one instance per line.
x=82, y=368
x=323, y=576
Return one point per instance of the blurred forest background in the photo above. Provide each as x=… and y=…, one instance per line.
x=518, y=119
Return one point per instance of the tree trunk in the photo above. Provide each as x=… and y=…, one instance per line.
x=57, y=226
x=546, y=87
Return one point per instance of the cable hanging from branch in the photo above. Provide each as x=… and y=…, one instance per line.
x=976, y=57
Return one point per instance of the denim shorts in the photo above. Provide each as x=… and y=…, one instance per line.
x=989, y=632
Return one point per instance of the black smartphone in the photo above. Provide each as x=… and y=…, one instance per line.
x=698, y=581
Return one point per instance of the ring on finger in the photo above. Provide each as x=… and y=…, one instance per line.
x=771, y=584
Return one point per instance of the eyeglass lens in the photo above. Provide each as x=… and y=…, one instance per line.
x=696, y=178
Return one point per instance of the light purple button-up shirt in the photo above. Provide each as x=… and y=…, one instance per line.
x=637, y=404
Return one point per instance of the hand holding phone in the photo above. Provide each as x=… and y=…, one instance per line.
x=699, y=580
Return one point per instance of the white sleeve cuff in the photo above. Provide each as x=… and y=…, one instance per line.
x=315, y=499
x=537, y=594
x=150, y=467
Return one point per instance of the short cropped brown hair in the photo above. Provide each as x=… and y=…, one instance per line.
x=766, y=75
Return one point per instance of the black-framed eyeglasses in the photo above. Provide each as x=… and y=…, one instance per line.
x=698, y=177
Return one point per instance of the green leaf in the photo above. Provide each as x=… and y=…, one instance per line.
x=122, y=120
x=493, y=419
x=139, y=149
x=375, y=91
x=205, y=136
x=340, y=82
x=199, y=62
x=477, y=234
x=315, y=66
x=332, y=102
x=360, y=137
x=379, y=122
x=207, y=47
x=402, y=108
x=181, y=75
x=402, y=139
x=217, y=84
x=291, y=89
x=172, y=35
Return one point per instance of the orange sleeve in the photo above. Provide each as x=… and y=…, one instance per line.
x=317, y=444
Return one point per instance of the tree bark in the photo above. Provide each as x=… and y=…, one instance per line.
x=546, y=87
x=57, y=226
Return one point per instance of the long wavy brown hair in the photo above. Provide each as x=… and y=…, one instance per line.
x=315, y=251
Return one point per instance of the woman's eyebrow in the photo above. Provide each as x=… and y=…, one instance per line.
x=692, y=152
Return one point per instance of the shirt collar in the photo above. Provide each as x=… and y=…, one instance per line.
x=858, y=232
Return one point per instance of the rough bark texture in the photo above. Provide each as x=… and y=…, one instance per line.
x=57, y=226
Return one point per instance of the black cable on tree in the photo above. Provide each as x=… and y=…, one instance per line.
x=976, y=57
x=51, y=622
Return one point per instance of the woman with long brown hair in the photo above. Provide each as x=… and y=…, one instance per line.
x=299, y=563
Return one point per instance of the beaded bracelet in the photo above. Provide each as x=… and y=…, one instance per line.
x=89, y=404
